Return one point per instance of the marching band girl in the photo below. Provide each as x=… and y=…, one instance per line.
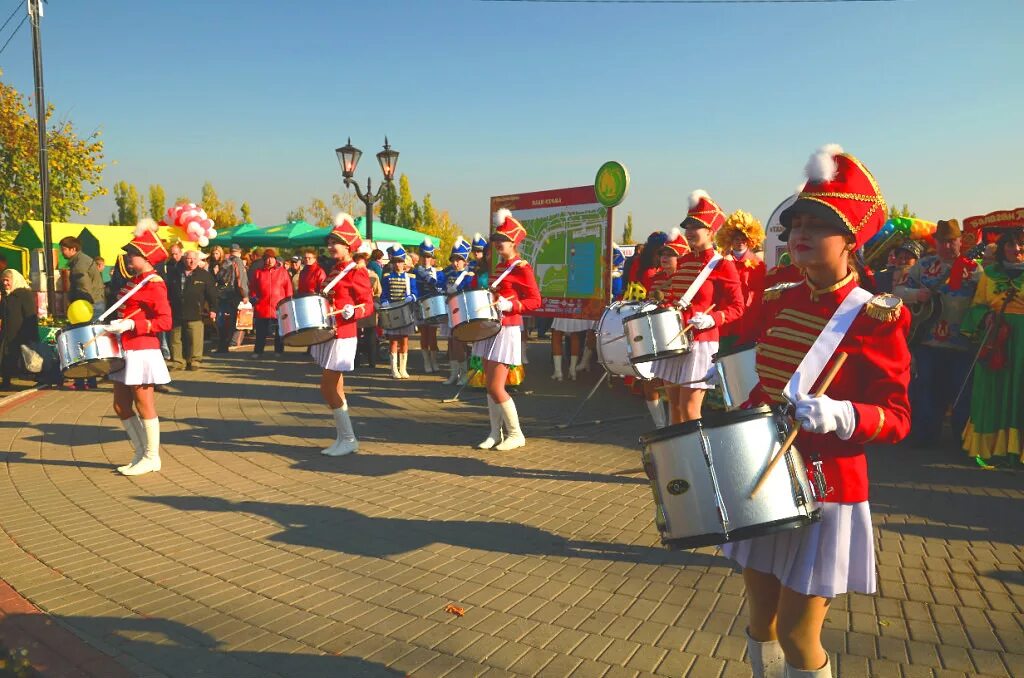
x=703, y=279
x=427, y=281
x=792, y=576
x=741, y=234
x=456, y=278
x=398, y=286
x=145, y=312
x=348, y=289
x=657, y=286
x=515, y=292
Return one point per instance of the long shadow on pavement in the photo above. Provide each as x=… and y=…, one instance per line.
x=177, y=650
x=347, y=531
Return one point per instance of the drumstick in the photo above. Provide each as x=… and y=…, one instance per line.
x=690, y=326
x=337, y=311
x=840, y=359
x=97, y=336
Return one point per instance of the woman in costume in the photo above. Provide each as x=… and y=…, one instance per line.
x=399, y=286
x=792, y=576
x=141, y=317
x=995, y=430
x=642, y=267
x=427, y=282
x=348, y=289
x=515, y=292
x=454, y=279
x=694, y=297
x=740, y=236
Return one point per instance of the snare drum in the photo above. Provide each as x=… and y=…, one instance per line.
x=472, y=315
x=612, y=348
x=89, y=351
x=397, y=316
x=737, y=373
x=304, y=321
x=702, y=473
x=655, y=335
x=433, y=310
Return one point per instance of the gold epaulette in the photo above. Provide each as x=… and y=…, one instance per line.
x=884, y=307
x=775, y=291
x=156, y=278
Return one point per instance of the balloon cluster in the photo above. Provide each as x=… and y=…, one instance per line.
x=192, y=219
x=915, y=229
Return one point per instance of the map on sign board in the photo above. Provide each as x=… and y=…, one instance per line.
x=568, y=243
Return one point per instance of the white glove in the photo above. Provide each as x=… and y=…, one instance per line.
x=824, y=415
x=702, y=321
x=504, y=305
x=682, y=304
x=121, y=325
x=347, y=311
x=713, y=377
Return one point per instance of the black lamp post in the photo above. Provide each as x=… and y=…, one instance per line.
x=348, y=157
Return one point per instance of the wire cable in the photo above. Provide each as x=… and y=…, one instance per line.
x=23, y=20
x=17, y=6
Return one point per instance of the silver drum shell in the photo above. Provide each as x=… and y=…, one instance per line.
x=304, y=321
x=612, y=348
x=81, y=359
x=434, y=309
x=397, y=316
x=656, y=335
x=737, y=370
x=702, y=473
x=472, y=315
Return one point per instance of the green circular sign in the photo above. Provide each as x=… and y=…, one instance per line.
x=611, y=183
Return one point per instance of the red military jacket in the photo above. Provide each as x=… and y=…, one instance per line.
x=353, y=289
x=874, y=378
x=520, y=287
x=311, y=279
x=149, y=308
x=751, y=272
x=722, y=288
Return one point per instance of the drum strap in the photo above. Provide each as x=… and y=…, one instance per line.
x=704, y=274
x=823, y=348
x=117, y=304
x=458, y=281
x=337, y=278
x=515, y=264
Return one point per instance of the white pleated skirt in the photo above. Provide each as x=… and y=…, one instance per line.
x=337, y=354
x=689, y=367
x=832, y=556
x=143, y=366
x=505, y=347
x=572, y=325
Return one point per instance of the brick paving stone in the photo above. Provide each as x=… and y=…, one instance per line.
x=251, y=550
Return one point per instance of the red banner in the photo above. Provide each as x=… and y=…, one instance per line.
x=999, y=219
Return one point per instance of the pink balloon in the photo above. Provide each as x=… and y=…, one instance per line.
x=207, y=224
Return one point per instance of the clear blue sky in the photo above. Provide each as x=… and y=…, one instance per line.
x=490, y=98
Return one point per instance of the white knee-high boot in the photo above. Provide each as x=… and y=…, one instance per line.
x=513, y=434
x=395, y=374
x=824, y=672
x=428, y=365
x=574, y=361
x=657, y=413
x=137, y=436
x=434, y=362
x=453, y=372
x=346, y=442
x=494, y=414
x=151, y=457
x=766, y=659
x=557, y=375
x=403, y=363
x=463, y=373
x=585, y=359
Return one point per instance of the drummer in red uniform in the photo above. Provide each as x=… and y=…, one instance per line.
x=792, y=576
x=515, y=292
x=720, y=287
x=673, y=246
x=740, y=236
x=145, y=313
x=352, y=298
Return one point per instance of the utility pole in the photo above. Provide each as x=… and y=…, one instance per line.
x=35, y=14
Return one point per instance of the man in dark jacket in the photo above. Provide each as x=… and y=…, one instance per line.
x=82, y=281
x=233, y=286
x=193, y=295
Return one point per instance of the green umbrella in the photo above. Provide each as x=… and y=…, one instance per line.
x=381, y=231
x=225, y=236
x=285, y=235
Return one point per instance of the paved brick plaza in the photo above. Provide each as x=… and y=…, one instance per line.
x=253, y=555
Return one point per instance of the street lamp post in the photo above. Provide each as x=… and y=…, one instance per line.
x=348, y=157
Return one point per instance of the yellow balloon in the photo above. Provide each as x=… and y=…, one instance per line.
x=79, y=312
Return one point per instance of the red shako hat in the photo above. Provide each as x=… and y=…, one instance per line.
x=145, y=244
x=677, y=243
x=345, y=231
x=704, y=211
x=841, y=191
x=508, y=227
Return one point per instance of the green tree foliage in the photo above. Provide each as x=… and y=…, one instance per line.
x=157, y=201
x=319, y=213
x=347, y=202
x=75, y=164
x=417, y=217
x=389, y=204
x=182, y=198
x=246, y=213
x=627, y=230
x=222, y=213
x=904, y=212
x=126, y=197
x=406, y=204
x=297, y=214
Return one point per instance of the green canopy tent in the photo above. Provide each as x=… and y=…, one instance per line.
x=381, y=231
x=285, y=235
x=246, y=235
x=225, y=236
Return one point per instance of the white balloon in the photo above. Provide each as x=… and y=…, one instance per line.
x=212, y=233
x=204, y=241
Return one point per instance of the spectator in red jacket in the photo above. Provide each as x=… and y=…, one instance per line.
x=270, y=284
x=312, y=275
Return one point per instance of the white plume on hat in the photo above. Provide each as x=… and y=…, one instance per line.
x=822, y=166
x=427, y=242
x=501, y=215
x=674, y=233
x=144, y=225
x=478, y=236
x=697, y=195
x=341, y=217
